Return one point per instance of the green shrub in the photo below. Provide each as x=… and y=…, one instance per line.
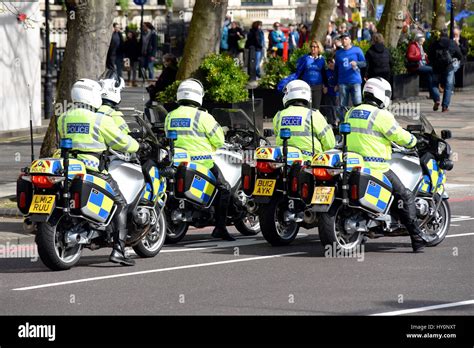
x=275, y=70
x=468, y=33
x=223, y=80
x=364, y=45
x=169, y=94
x=398, y=57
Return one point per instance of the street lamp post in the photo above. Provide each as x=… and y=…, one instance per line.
x=48, y=85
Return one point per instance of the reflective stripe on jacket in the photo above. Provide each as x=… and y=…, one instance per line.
x=93, y=132
x=117, y=116
x=298, y=120
x=372, y=131
x=198, y=133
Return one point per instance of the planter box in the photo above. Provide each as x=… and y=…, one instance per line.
x=246, y=106
x=272, y=101
x=405, y=86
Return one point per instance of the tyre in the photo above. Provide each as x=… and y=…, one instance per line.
x=274, y=229
x=175, y=231
x=331, y=229
x=151, y=244
x=51, y=247
x=249, y=225
x=440, y=224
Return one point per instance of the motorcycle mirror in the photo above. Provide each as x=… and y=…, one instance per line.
x=345, y=128
x=173, y=135
x=285, y=133
x=268, y=132
x=446, y=134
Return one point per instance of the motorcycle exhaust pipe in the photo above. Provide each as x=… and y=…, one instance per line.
x=309, y=217
x=252, y=206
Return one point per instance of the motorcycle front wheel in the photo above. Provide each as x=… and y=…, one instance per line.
x=275, y=229
x=249, y=225
x=53, y=251
x=439, y=225
x=151, y=244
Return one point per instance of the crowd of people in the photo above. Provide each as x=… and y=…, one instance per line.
x=135, y=53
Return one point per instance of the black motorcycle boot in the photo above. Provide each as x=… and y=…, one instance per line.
x=417, y=243
x=118, y=251
x=221, y=232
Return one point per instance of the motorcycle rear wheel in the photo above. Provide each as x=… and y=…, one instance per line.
x=52, y=251
x=274, y=229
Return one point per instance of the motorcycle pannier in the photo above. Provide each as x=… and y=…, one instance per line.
x=196, y=183
x=95, y=197
x=370, y=189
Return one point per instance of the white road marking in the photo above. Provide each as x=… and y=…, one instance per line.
x=155, y=271
x=460, y=235
x=452, y=225
x=427, y=308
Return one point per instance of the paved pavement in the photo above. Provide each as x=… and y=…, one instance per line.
x=207, y=276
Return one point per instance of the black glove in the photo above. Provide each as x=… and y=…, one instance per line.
x=144, y=147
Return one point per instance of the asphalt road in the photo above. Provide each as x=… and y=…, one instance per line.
x=203, y=276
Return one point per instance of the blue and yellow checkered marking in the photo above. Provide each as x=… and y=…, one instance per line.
x=378, y=175
x=99, y=204
x=203, y=170
x=202, y=189
x=99, y=182
x=377, y=196
x=436, y=178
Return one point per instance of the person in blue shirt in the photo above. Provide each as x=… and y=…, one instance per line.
x=310, y=68
x=293, y=39
x=348, y=62
x=224, y=39
x=330, y=100
x=278, y=38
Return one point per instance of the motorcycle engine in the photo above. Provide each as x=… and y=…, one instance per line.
x=142, y=216
x=422, y=207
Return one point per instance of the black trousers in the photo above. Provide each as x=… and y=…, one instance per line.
x=404, y=201
x=222, y=200
x=120, y=217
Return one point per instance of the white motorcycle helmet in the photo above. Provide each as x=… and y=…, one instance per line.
x=190, y=90
x=378, y=90
x=111, y=85
x=88, y=92
x=297, y=90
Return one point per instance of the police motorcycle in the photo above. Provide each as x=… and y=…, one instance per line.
x=271, y=184
x=70, y=215
x=354, y=202
x=192, y=188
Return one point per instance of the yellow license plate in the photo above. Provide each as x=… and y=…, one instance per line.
x=264, y=187
x=42, y=204
x=323, y=195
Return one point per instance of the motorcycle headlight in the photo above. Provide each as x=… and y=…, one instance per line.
x=441, y=147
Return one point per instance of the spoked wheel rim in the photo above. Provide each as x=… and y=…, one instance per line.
x=285, y=230
x=345, y=241
x=152, y=241
x=438, y=226
x=252, y=223
x=63, y=252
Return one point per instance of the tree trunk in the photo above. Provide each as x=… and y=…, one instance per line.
x=391, y=23
x=204, y=35
x=439, y=15
x=321, y=19
x=89, y=29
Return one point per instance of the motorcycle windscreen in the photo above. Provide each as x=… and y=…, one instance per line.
x=370, y=189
